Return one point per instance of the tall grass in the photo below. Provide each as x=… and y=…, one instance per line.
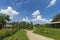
x=20, y=35
x=5, y=33
x=49, y=32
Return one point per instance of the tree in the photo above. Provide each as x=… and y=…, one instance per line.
x=26, y=25
x=56, y=18
x=31, y=25
x=23, y=24
x=3, y=19
x=16, y=25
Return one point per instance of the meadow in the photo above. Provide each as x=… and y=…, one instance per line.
x=19, y=35
x=48, y=32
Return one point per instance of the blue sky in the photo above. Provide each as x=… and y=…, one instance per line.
x=45, y=10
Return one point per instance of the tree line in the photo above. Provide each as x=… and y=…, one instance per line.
x=4, y=19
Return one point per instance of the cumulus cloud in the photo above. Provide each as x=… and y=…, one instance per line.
x=9, y=11
x=51, y=3
x=26, y=19
x=50, y=19
x=35, y=13
x=39, y=19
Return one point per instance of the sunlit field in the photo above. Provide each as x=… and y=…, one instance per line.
x=49, y=32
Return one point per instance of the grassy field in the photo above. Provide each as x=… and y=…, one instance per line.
x=49, y=32
x=20, y=35
x=5, y=33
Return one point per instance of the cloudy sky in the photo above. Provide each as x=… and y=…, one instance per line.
x=37, y=11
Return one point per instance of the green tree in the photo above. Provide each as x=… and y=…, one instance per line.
x=23, y=24
x=56, y=18
x=3, y=19
x=31, y=25
x=16, y=25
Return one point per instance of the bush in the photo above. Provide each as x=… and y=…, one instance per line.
x=5, y=33
x=19, y=35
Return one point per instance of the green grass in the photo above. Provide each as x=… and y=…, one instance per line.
x=29, y=29
x=5, y=33
x=20, y=35
x=49, y=32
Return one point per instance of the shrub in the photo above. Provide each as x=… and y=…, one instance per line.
x=5, y=33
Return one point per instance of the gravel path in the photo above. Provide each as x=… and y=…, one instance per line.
x=33, y=36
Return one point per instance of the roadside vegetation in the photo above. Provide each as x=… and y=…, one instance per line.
x=5, y=33
x=19, y=35
x=49, y=32
x=13, y=32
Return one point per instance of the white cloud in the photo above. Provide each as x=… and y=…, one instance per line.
x=9, y=11
x=50, y=19
x=51, y=3
x=38, y=18
x=26, y=19
x=35, y=13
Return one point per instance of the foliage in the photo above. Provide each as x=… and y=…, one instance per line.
x=56, y=18
x=30, y=26
x=16, y=25
x=49, y=32
x=42, y=25
x=23, y=24
x=5, y=33
x=20, y=35
x=3, y=19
